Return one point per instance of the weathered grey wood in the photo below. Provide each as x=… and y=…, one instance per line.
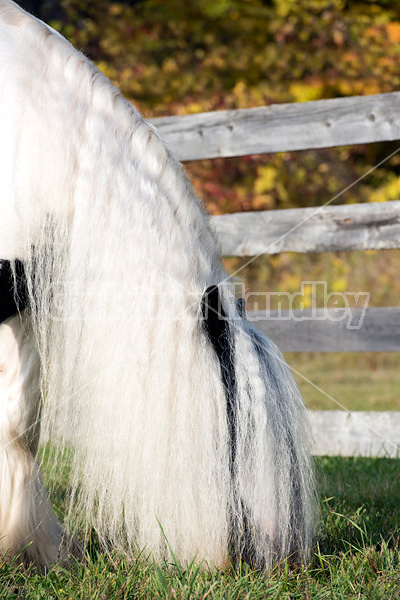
x=284, y=127
x=375, y=225
x=339, y=433
x=307, y=331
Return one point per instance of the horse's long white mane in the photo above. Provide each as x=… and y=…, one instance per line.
x=118, y=254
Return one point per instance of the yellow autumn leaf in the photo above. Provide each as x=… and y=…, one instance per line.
x=339, y=285
x=266, y=179
x=304, y=93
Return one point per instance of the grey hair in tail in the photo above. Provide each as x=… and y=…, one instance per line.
x=279, y=522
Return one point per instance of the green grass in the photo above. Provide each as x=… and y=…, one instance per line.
x=358, y=381
x=357, y=554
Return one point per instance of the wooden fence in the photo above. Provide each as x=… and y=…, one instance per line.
x=303, y=126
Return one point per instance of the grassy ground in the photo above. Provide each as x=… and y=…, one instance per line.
x=357, y=554
x=357, y=551
x=359, y=381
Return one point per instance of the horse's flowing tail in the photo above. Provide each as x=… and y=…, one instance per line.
x=176, y=419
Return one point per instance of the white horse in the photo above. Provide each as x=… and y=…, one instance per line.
x=184, y=423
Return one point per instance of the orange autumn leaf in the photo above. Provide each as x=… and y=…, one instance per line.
x=393, y=30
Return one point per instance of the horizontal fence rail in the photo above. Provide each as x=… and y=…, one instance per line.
x=283, y=127
x=375, y=225
x=360, y=433
x=335, y=432
x=336, y=330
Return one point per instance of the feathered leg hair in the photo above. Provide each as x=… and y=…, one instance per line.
x=29, y=530
x=28, y=526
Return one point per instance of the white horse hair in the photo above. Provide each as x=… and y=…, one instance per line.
x=183, y=420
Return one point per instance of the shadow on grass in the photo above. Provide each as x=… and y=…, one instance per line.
x=359, y=499
x=360, y=503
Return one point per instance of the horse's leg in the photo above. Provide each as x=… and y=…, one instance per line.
x=28, y=525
